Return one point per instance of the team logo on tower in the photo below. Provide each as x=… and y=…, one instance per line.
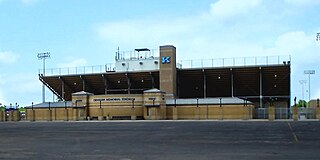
x=165, y=60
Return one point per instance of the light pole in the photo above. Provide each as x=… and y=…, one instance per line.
x=302, y=82
x=309, y=72
x=43, y=56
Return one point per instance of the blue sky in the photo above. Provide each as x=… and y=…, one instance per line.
x=86, y=32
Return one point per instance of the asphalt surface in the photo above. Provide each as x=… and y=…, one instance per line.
x=178, y=140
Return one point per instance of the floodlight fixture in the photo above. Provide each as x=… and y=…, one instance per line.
x=43, y=55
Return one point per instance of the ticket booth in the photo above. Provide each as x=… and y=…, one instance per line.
x=154, y=104
x=80, y=102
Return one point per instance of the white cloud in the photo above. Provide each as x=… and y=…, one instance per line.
x=194, y=34
x=302, y=48
x=7, y=57
x=73, y=63
x=24, y=85
x=317, y=94
x=146, y=32
x=230, y=8
x=2, y=98
x=2, y=82
x=210, y=36
x=230, y=28
x=18, y=85
x=300, y=45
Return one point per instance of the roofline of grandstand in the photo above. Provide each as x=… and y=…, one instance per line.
x=185, y=64
x=195, y=68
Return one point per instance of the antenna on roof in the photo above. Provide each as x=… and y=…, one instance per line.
x=117, y=57
x=118, y=52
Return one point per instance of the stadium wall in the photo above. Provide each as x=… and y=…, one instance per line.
x=151, y=105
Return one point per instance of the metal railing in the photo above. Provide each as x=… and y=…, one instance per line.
x=261, y=113
x=285, y=113
x=237, y=61
x=307, y=113
x=129, y=55
x=182, y=64
x=78, y=70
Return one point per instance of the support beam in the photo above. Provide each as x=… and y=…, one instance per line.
x=62, y=90
x=48, y=86
x=232, y=84
x=129, y=83
x=105, y=82
x=204, y=84
x=152, y=80
x=64, y=87
x=178, y=85
x=85, y=85
x=260, y=88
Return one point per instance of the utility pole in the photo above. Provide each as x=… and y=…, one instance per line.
x=43, y=56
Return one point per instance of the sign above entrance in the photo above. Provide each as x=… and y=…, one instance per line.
x=113, y=99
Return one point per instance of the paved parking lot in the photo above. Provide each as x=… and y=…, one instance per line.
x=160, y=140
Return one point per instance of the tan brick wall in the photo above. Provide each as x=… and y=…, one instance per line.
x=295, y=112
x=2, y=116
x=115, y=105
x=313, y=104
x=318, y=113
x=169, y=113
x=190, y=112
x=122, y=105
x=42, y=114
x=154, y=105
x=116, y=111
x=272, y=112
x=186, y=112
x=167, y=72
x=213, y=112
x=15, y=115
x=60, y=114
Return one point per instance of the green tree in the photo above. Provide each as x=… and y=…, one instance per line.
x=21, y=109
x=302, y=103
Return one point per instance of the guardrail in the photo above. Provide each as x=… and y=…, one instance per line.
x=237, y=61
x=181, y=64
x=78, y=70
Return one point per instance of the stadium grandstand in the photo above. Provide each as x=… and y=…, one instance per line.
x=258, y=81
